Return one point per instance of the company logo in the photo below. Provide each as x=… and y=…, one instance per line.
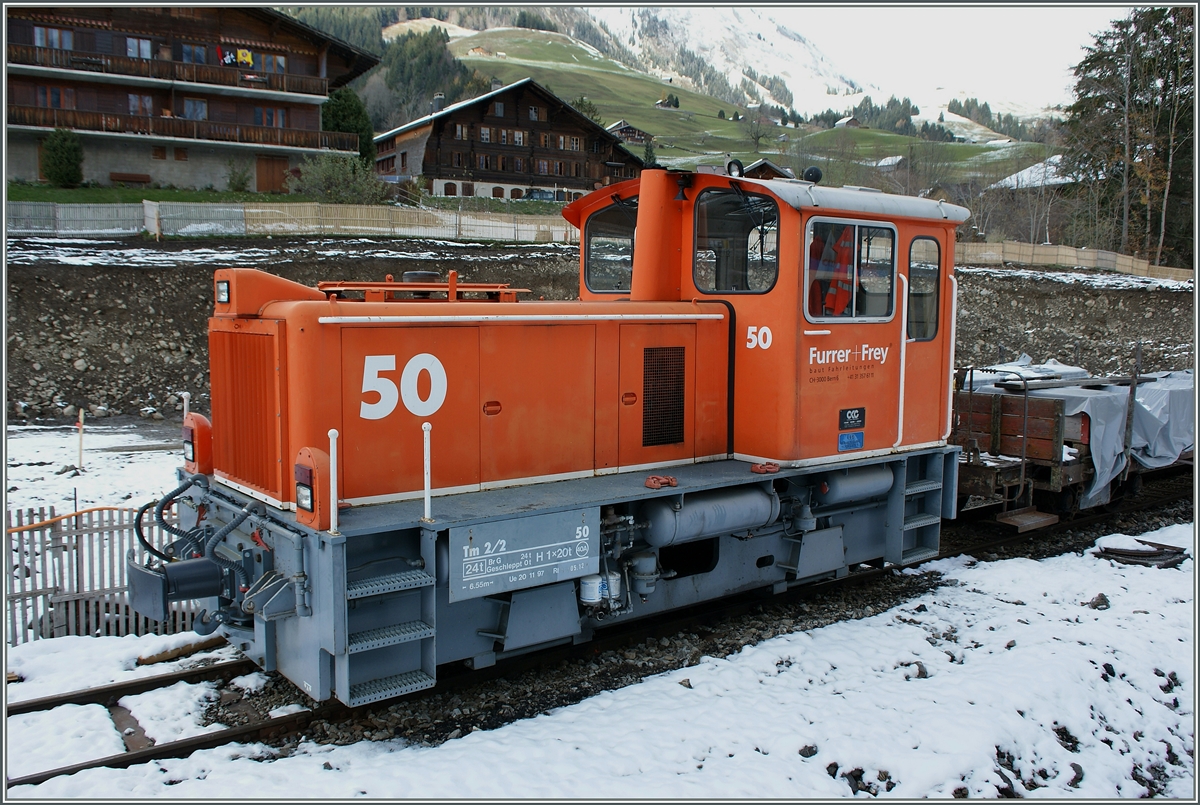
x=864, y=352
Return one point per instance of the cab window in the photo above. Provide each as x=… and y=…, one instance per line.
x=850, y=271
x=608, y=248
x=737, y=242
x=924, y=282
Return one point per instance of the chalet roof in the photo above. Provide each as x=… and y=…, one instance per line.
x=1043, y=174
x=622, y=123
x=524, y=82
x=766, y=163
x=359, y=60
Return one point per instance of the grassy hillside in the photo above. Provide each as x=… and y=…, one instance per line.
x=694, y=133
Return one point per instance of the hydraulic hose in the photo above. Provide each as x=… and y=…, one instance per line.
x=211, y=545
x=167, y=501
x=137, y=529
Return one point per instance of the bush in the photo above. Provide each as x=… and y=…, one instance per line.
x=62, y=158
x=338, y=179
x=237, y=176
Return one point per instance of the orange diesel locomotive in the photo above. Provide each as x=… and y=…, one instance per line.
x=752, y=391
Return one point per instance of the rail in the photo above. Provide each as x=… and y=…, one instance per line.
x=181, y=128
x=166, y=70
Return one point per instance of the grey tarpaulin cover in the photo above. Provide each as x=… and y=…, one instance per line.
x=1162, y=418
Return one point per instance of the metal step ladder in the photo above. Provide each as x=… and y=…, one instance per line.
x=379, y=662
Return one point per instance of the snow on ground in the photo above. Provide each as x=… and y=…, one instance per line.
x=1098, y=279
x=117, y=469
x=1017, y=660
x=1007, y=659
x=77, y=252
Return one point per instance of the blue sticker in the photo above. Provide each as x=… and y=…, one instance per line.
x=850, y=441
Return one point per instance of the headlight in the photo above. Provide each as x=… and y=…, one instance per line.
x=304, y=498
x=223, y=292
x=189, y=451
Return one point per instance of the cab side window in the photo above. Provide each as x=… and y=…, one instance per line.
x=737, y=242
x=924, y=284
x=608, y=248
x=850, y=271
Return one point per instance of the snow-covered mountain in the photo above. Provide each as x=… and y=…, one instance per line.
x=730, y=40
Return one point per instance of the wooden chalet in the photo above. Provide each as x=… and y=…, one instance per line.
x=629, y=133
x=174, y=95
x=513, y=140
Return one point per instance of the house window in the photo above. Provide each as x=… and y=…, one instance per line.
x=460, y=131
x=195, y=109
x=387, y=165
x=577, y=169
x=504, y=136
x=270, y=63
x=485, y=162
x=533, y=113
x=518, y=138
x=485, y=135
x=195, y=54
x=404, y=162
x=451, y=189
x=562, y=142
x=456, y=159
x=56, y=97
x=519, y=165
x=545, y=140
x=499, y=112
x=574, y=143
x=137, y=48
x=558, y=169
x=271, y=116
x=158, y=152
x=181, y=155
x=59, y=38
x=543, y=167
x=141, y=105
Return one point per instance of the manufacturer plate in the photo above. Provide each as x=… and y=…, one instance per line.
x=850, y=441
x=851, y=418
x=508, y=555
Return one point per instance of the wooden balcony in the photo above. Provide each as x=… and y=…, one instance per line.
x=166, y=70
x=181, y=128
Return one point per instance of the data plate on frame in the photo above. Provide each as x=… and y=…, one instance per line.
x=850, y=441
x=508, y=555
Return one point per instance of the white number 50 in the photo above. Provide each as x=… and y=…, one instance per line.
x=389, y=394
x=758, y=337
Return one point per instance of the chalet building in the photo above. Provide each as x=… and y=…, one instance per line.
x=513, y=140
x=629, y=133
x=174, y=95
x=766, y=169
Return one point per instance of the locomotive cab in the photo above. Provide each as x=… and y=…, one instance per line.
x=841, y=302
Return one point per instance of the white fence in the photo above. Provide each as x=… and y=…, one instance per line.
x=72, y=220
x=66, y=575
x=172, y=218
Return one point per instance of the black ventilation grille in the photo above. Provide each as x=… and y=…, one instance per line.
x=662, y=396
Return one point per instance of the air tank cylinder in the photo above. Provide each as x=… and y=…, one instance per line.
x=707, y=514
x=854, y=484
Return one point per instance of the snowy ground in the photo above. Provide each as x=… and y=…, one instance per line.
x=1014, y=674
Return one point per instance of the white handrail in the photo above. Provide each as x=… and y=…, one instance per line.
x=426, y=427
x=953, y=342
x=333, y=484
x=903, y=354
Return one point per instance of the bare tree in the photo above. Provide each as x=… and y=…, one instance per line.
x=756, y=126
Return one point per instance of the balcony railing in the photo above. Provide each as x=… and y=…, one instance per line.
x=179, y=127
x=167, y=70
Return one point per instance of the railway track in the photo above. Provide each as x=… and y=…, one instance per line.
x=972, y=535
